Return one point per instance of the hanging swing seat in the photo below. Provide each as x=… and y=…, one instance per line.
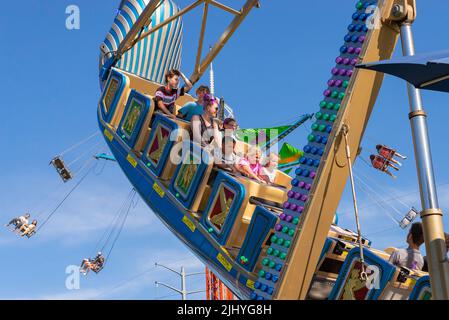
x=61, y=168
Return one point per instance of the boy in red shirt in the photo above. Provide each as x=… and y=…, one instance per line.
x=166, y=96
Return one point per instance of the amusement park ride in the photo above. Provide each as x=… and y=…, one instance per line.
x=266, y=241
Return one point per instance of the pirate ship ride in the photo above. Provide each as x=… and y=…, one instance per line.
x=262, y=241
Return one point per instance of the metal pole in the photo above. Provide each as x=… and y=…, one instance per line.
x=432, y=216
x=183, y=292
x=183, y=284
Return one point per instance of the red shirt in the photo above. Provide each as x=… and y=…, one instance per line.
x=386, y=152
x=379, y=163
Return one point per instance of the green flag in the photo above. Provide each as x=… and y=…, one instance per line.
x=289, y=154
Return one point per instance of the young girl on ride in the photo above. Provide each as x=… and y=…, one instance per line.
x=250, y=165
x=268, y=171
x=204, y=127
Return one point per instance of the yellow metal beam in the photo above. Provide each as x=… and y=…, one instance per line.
x=332, y=174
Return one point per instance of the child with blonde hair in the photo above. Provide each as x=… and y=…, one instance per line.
x=268, y=171
x=250, y=164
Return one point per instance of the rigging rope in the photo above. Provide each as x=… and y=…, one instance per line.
x=90, y=150
x=396, y=222
x=115, y=220
x=64, y=199
x=379, y=196
x=378, y=184
x=121, y=226
x=79, y=143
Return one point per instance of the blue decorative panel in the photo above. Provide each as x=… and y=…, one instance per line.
x=111, y=95
x=189, y=173
x=349, y=286
x=157, y=151
x=262, y=222
x=133, y=117
x=223, y=206
x=422, y=289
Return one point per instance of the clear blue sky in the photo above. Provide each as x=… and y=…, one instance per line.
x=274, y=70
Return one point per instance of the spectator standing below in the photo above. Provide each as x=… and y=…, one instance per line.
x=166, y=96
x=204, y=127
x=194, y=108
x=411, y=257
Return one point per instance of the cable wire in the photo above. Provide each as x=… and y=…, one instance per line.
x=79, y=143
x=64, y=199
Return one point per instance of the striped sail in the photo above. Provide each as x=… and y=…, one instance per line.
x=153, y=56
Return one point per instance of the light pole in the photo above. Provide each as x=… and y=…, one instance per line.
x=183, y=291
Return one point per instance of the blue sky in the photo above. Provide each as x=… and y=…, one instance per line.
x=273, y=70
